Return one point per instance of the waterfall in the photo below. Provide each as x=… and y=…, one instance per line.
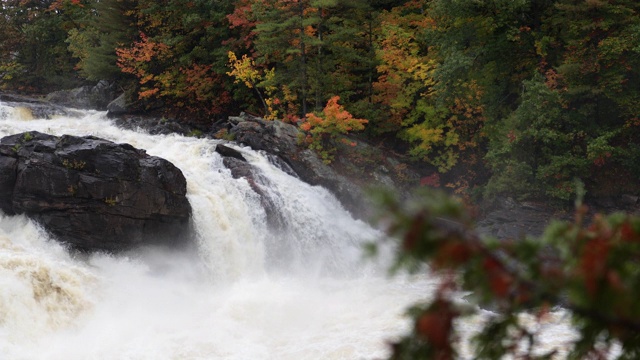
x=302, y=290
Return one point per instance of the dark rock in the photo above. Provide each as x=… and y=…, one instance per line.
x=128, y=104
x=240, y=168
x=95, y=97
x=281, y=140
x=93, y=194
x=229, y=152
x=511, y=220
x=274, y=137
x=119, y=106
x=152, y=125
x=629, y=200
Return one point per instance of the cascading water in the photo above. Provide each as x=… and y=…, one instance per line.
x=248, y=292
x=300, y=291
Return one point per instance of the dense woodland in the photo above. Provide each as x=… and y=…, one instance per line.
x=535, y=93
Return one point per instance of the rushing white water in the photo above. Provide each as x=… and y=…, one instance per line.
x=304, y=292
x=247, y=293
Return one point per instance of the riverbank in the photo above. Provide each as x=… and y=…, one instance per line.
x=357, y=168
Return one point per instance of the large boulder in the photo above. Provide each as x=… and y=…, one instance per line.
x=119, y=106
x=93, y=194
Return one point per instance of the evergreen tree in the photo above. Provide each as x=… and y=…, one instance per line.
x=35, y=58
x=108, y=25
x=180, y=58
x=319, y=48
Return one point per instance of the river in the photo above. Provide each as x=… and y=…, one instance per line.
x=246, y=292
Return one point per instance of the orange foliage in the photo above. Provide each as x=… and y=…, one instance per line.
x=242, y=18
x=191, y=88
x=132, y=60
x=333, y=121
x=467, y=116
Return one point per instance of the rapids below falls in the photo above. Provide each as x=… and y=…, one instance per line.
x=305, y=292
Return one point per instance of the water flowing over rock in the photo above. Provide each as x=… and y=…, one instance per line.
x=86, y=97
x=92, y=193
x=240, y=168
x=35, y=108
x=281, y=140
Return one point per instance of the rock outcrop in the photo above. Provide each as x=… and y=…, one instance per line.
x=282, y=141
x=508, y=219
x=240, y=168
x=93, y=194
x=119, y=106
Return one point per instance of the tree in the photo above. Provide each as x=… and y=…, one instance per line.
x=536, y=153
x=588, y=266
x=244, y=70
x=318, y=49
x=434, y=100
x=106, y=26
x=35, y=58
x=574, y=116
x=324, y=129
x=179, y=58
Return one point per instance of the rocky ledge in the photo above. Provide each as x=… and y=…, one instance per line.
x=93, y=194
x=346, y=180
x=353, y=172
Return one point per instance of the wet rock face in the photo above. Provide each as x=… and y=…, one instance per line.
x=281, y=140
x=240, y=168
x=93, y=194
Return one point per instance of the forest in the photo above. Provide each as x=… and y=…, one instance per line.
x=513, y=96
x=537, y=99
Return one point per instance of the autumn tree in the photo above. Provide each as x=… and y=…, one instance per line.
x=588, y=266
x=318, y=48
x=179, y=58
x=434, y=99
x=35, y=58
x=324, y=129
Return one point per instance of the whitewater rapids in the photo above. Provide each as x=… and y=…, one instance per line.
x=305, y=292
x=246, y=293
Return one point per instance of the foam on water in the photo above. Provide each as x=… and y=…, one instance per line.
x=302, y=292
x=247, y=293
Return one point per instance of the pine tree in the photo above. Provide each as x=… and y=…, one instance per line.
x=108, y=25
x=319, y=48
